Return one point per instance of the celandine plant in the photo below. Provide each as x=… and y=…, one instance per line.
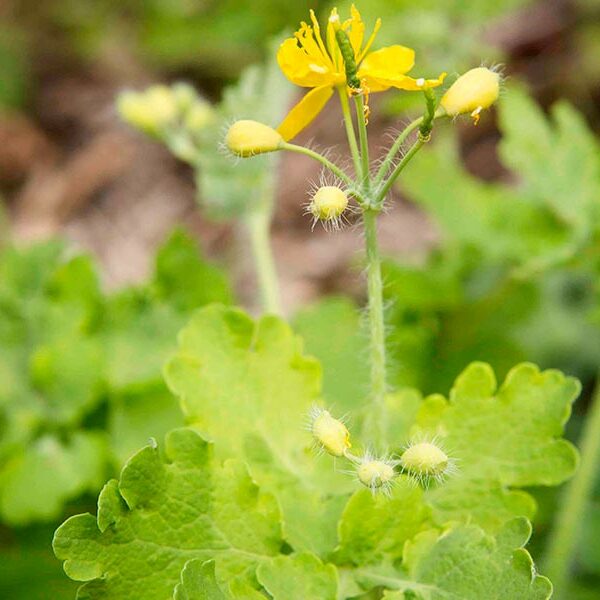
x=341, y=61
x=238, y=506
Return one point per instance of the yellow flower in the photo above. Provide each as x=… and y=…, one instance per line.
x=308, y=61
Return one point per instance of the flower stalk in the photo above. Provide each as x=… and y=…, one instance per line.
x=259, y=224
x=376, y=317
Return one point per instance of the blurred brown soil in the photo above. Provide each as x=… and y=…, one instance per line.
x=74, y=169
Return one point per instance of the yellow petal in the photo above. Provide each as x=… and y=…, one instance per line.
x=367, y=46
x=317, y=33
x=357, y=31
x=414, y=85
x=332, y=45
x=387, y=63
x=401, y=82
x=304, y=112
x=301, y=68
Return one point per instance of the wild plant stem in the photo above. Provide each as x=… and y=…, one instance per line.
x=374, y=280
x=319, y=157
x=359, y=104
x=259, y=224
x=382, y=193
x=376, y=318
x=393, y=151
x=350, y=134
x=572, y=509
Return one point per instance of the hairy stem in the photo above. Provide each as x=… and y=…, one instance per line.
x=382, y=193
x=393, y=151
x=374, y=281
x=425, y=125
x=350, y=130
x=376, y=320
x=567, y=527
x=359, y=104
x=319, y=157
x=259, y=224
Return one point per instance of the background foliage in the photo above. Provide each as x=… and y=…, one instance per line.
x=513, y=276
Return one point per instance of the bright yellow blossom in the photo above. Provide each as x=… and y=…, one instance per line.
x=308, y=61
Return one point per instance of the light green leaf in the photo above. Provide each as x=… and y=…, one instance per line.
x=298, y=577
x=374, y=527
x=558, y=160
x=138, y=336
x=71, y=356
x=68, y=375
x=464, y=563
x=163, y=512
x=198, y=582
x=332, y=333
x=248, y=387
x=183, y=279
x=36, y=482
x=501, y=439
x=139, y=412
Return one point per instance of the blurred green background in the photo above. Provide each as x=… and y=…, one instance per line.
x=499, y=263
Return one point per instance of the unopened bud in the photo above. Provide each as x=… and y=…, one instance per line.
x=425, y=460
x=246, y=138
x=471, y=93
x=328, y=203
x=329, y=434
x=376, y=473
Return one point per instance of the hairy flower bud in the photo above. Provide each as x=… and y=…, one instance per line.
x=472, y=92
x=425, y=460
x=246, y=138
x=330, y=434
x=328, y=203
x=376, y=473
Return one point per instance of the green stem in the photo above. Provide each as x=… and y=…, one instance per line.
x=567, y=527
x=364, y=143
x=382, y=193
x=319, y=157
x=376, y=322
x=350, y=130
x=259, y=224
x=389, y=159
